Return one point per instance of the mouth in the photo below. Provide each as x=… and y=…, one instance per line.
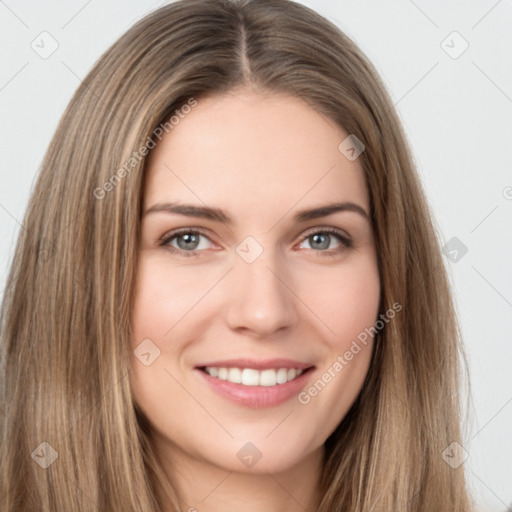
x=256, y=384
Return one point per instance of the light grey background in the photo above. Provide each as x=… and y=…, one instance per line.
x=457, y=113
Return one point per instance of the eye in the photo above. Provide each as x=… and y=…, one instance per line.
x=320, y=240
x=185, y=242
x=190, y=242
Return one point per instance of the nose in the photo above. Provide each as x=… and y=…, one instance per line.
x=261, y=298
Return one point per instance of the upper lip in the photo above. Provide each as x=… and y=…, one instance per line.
x=265, y=364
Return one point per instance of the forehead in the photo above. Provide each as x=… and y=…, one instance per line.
x=250, y=151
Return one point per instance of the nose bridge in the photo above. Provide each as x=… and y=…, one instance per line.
x=260, y=300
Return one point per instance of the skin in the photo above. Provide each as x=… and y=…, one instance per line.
x=261, y=158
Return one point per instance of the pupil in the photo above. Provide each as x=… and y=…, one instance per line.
x=189, y=239
x=316, y=238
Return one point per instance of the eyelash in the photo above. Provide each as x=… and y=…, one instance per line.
x=345, y=242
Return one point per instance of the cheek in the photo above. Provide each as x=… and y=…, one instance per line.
x=157, y=308
x=160, y=302
x=163, y=297
x=348, y=304
x=346, y=300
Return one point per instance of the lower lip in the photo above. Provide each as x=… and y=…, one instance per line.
x=257, y=397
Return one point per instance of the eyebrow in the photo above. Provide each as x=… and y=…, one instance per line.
x=218, y=215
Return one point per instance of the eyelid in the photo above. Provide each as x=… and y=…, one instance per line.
x=326, y=229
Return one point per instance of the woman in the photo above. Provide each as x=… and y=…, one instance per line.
x=176, y=335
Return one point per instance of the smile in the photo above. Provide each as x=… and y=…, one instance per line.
x=255, y=384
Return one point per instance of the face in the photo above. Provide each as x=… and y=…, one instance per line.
x=249, y=296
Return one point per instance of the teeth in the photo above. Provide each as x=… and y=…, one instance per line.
x=252, y=377
x=268, y=378
x=235, y=375
x=282, y=375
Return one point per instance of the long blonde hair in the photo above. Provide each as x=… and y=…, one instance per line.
x=66, y=314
